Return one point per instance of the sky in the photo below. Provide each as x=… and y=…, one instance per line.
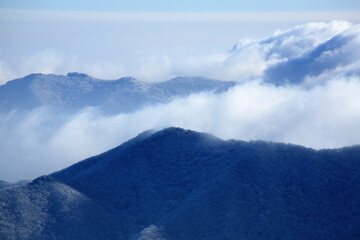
x=184, y=5
x=297, y=63
x=149, y=40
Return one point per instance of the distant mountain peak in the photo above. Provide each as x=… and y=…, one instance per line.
x=77, y=75
x=34, y=74
x=128, y=79
x=75, y=91
x=44, y=178
x=176, y=131
x=189, y=79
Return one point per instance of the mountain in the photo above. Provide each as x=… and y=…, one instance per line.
x=180, y=184
x=77, y=90
x=47, y=209
x=4, y=184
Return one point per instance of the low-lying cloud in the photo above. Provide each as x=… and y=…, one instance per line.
x=325, y=116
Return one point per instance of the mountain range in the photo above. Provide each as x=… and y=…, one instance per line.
x=181, y=184
x=78, y=90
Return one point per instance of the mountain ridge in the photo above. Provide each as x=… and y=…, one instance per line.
x=181, y=184
x=75, y=91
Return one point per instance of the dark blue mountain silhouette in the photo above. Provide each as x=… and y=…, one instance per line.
x=180, y=184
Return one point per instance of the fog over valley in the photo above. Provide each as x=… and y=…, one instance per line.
x=299, y=86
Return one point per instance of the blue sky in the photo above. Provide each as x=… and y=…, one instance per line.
x=184, y=5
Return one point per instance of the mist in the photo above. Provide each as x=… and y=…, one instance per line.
x=157, y=47
x=300, y=85
x=325, y=116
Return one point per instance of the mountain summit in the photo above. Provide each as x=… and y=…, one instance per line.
x=180, y=184
x=78, y=90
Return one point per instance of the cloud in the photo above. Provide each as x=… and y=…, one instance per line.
x=47, y=61
x=294, y=55
x=298, y=55
x=286, y=55
x=5, y=73
x=324, y=116
x=321, y=109
x=290, y=56
x=155, y=67
x=338, y=51
x=100, y=69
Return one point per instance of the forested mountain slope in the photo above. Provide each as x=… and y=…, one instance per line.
x=180, y=184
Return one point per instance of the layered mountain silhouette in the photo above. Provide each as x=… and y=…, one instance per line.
x=77, y=90
x=180, y=184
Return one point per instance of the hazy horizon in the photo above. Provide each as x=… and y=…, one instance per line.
x=150, y=46
x=297, y=65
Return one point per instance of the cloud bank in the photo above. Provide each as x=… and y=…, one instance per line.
x=296, y=55
x=325, y=116
x=297, y=86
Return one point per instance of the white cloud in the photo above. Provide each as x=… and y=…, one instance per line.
x=302, y=52
x=5, y=73
x=295, y=54
x=47, y=61
x=325, y=116
x=324, y=56
x=341, y=49
x=100, y=69
x=155, y=67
